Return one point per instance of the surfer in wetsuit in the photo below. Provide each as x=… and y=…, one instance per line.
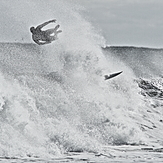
x=44, y=37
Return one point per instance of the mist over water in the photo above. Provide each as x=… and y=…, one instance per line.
x=54, y=98
x=70, y=108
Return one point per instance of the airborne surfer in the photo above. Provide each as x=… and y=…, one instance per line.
x=42, y=37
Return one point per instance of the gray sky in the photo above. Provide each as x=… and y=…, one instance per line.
x=127, y=22
x=121, y=22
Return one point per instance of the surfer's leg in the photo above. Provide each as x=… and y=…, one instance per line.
x=59, y=31
x=55, y=36
x=51, y=34
x=52, y=30
x=49, y=31
x=52, y=38
x=56, y=27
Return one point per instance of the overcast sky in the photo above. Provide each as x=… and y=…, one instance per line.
x=127, y=22
x=121, y=22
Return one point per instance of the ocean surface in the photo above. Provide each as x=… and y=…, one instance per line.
x=56, y=106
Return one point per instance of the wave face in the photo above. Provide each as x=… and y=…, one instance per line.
x=54, y=98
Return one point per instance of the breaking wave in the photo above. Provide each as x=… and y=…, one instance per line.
x=54, y=99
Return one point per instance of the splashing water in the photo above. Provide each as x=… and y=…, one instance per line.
x=54, y=98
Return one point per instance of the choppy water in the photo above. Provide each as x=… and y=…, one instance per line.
x=54, y=100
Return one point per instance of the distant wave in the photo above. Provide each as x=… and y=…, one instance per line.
x=132, y=48
x=144, y=61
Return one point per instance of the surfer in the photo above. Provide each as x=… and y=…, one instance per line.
x=42, y=37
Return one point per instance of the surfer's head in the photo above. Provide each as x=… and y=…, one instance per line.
x=32, y=29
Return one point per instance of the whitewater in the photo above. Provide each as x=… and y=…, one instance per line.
x=55, y=105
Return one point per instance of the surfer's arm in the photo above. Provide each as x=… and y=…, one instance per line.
x=46, y=23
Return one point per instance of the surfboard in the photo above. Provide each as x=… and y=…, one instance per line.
x=112, y=75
